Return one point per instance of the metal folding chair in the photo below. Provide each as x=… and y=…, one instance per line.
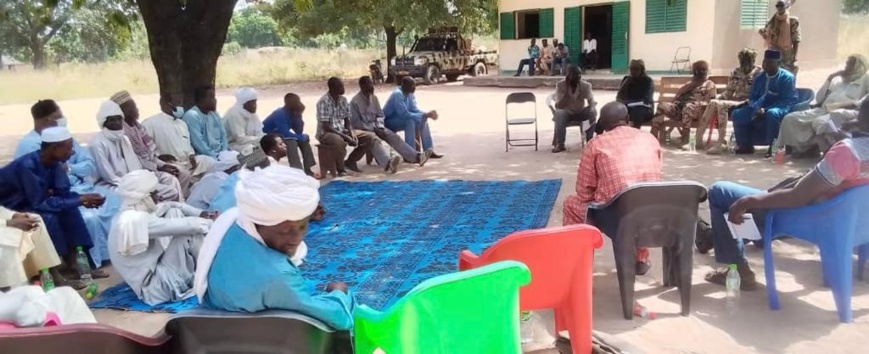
x=584, y=126
x=683, y=60
x=520, y=98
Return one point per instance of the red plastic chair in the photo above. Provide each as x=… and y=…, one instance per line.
x=560, y=260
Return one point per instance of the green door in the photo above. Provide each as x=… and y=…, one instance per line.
x=573, y=32
x=621, y=21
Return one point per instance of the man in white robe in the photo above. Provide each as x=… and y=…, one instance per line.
x=25, y=247
x=115, y=157
x=154, y=247
x=204, y=190
x=243, y=126
x=172, y=137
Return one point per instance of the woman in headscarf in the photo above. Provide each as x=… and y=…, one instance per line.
x=690, y=102
x=841, y=90
x=637, y=91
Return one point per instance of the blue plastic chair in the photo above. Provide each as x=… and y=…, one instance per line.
x=836, y=227
x=805, y=96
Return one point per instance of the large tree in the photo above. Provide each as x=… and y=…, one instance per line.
x=27, y=26
x=391, y=17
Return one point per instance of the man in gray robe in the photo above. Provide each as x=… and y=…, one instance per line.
x=154, y=247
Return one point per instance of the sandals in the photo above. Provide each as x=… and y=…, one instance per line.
x=719, y=276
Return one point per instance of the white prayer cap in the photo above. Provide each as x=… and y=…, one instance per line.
x=55, y=135
x=275, y=194
x=225, y=160
x=108, y=109
x=245, y=95
x=136, y=186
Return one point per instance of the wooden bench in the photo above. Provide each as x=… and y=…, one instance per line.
x=667, y=89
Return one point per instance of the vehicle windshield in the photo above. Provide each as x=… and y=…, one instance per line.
x=428, y=44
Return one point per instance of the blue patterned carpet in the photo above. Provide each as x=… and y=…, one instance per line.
x=384, y=238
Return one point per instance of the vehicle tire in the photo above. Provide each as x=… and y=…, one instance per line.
x=479, y=69
x=452, y=77
x=432, y=75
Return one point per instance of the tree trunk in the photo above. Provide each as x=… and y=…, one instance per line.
x=37, y=49
x=185, y=43
x=391, y=50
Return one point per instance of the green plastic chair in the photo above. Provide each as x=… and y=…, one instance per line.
x=475, y=311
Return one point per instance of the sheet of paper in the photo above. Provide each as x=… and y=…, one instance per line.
x=746, y=231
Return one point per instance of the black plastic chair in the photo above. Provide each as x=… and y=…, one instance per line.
x=659, y=214
x=207, y=332
x=519, y=98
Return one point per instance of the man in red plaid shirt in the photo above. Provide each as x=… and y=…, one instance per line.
x=610, y=163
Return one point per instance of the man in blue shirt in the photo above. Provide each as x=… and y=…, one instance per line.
x=773, y=95
x=533, y=54
x=287, y=122
x=402, y=114
x=207, y=134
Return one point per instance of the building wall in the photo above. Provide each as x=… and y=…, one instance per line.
x=819, y=22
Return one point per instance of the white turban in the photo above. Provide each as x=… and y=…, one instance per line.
x=267, y=197
x=55, y=135
x=108, y=109
x=225, y=160
x=135, y=190
x=244, y=95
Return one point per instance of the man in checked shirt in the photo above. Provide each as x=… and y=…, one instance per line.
x=611, y=162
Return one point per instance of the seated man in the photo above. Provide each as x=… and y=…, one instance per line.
x=841, y=91
x=637, y=91
x=38, y=183
x=844, y=166
x=611, y=163
x=207, y=134
x=143, y=143
x=154, y=246
x=560, y=58
x=288, y=123
x=114, y=155
x=243, y=127
x=81, y=172
x=334, y=130
x=172, y=139
x=574, y=102
x=546, y=52
x=737, y=92
x=402, y=114
x=204, y=190
x=772, y=96
x=25, y=248
x=368, y=118
x=248, y=262
x=30, y=306
x=533, y=54
x=837, y=126
x=688, y=105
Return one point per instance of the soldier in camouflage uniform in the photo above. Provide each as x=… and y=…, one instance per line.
x=782, y=33
x=737, y=92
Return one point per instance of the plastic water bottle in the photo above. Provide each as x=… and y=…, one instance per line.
x=526, y=327
x=641, y=311
x=732, y=284
x=84, y=269
x=779, y=153
x=46, y=280
x=692, y=143
x=732, y=144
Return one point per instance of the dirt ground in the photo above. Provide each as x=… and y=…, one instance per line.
x=470, y=133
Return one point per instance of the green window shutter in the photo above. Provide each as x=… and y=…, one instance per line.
x=753, y=14
x=547, y=23
x=573, y=32
x=666, y=16
x=508, y=25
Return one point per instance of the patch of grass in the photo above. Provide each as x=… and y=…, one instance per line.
x=852, y=36
x=267, y=66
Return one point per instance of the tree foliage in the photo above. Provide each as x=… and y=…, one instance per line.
x=855, y=7
x=251, y=28
x=28, y=26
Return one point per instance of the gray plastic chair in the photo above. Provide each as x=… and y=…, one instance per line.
x=211, y=332
x=659, y=214
x=80, y=339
